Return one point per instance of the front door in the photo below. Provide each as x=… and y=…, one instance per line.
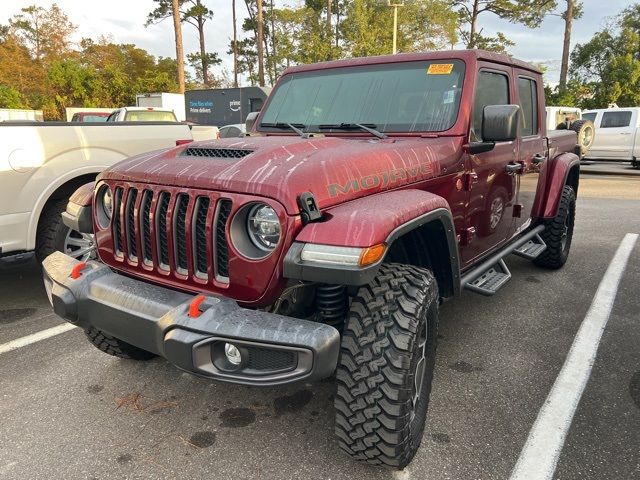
x=615, y=135
x=492, y=190
x=533, y=147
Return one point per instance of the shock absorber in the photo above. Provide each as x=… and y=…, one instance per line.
x=331, y=304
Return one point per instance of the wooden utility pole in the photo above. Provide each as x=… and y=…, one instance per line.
x=235, y=45
x=177, y=26
x=260, y=43
x=564, y=67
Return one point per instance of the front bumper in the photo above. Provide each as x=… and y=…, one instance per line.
x=276, y=349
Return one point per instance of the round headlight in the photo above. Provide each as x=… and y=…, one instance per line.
x=263, y=227
x=107, y=202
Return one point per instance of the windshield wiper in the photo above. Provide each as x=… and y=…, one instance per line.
x=368, y=127
x=296, y=127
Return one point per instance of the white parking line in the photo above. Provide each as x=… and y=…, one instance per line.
x=539, y=457
x=35, y=337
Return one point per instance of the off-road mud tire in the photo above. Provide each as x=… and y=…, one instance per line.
x=116, y=347
x=582, y=127
x=51, y=231
x=558, y=232
x=379, y=418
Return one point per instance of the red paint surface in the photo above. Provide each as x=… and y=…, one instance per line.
x=83, y=195
x=369, y=220
x=365, y=187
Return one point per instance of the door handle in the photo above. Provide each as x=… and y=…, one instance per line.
x=513, y=168
x=625, y=133
x=538, y=159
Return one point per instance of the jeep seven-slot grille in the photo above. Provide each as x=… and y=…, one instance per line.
x=216, y=152
x=193, y=226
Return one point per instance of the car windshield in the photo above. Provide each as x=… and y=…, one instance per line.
x=94, y=118
x=395, y=97
x=150, y=116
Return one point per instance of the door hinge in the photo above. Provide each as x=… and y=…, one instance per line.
x=468, y=180
x=467, y=236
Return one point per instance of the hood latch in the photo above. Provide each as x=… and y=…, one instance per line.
x=309, y=211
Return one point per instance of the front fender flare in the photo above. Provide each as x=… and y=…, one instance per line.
x=370, y=221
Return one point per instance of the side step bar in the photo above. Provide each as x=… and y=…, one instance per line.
x=488, y=277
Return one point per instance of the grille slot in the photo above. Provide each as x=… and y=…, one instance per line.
x=221, y=248
x=117, y=225
x=180, y=232
x=216, y=152
x=145, y=226
x=161, y=230
x=130, y=230
x=271, y=360
x=199, y=236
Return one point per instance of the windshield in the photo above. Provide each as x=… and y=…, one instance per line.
x=150, y=116
x=94, y=118
x=395, y=97
x=590, y=116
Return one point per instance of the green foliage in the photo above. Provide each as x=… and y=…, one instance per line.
x=11, y=98
x=526, y=12
x=607, y=68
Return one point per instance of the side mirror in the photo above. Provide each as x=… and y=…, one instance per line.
x=251, y=119
x=500, y=123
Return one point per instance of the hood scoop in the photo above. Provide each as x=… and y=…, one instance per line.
x=216, y=152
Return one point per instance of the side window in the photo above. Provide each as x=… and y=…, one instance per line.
x=528, y=93
x=615, y=119
x=492, y=89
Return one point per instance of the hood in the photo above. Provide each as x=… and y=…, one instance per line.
x=334, y=169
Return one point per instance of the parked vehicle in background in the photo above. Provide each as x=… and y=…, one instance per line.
x=71, y=111
x=90, y=116
x=223, y=106
x=233, y=131
x=564, y=118
x=370, y=190
x=163, y=100
x=42, y=164
x=12, y=114
x=142, y=114
x=618, y=134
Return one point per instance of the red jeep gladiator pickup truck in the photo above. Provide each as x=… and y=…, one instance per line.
x=367, y=191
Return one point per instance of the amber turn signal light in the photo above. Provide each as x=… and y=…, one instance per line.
x=371, y=255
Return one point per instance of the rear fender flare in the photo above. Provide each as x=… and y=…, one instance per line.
x=564, y=170
x=372, y=220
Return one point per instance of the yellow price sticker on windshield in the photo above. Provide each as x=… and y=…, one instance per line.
x=440, y=69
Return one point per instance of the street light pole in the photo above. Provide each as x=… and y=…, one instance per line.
x=395, y=23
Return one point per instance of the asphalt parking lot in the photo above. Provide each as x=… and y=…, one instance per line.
x=69, y=411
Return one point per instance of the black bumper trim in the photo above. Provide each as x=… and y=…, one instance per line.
x=156, y=319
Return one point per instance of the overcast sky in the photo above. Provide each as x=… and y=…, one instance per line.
x=123, y=20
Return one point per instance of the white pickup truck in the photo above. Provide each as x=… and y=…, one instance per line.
x=42, y=164
x=153, y=114
x=618, y=134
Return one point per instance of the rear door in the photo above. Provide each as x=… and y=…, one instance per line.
x=614, y=135
x=532, y=148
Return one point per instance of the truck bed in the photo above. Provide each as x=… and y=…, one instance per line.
x=560, y=141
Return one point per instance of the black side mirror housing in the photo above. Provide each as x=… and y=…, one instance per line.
x=251, y=119
x=500, y=123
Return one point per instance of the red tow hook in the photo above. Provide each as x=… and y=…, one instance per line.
x=194, y=306
x=75, y=271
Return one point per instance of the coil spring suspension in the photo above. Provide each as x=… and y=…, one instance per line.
x=331, y=304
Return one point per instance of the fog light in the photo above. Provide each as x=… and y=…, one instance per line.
x=232, y=353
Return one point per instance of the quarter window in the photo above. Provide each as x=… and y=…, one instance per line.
x=492, y=89
x=528, y=93
x=615, y=119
